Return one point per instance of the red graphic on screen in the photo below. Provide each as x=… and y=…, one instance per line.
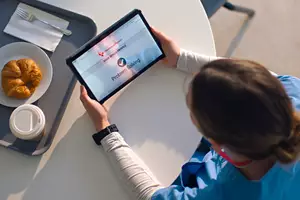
x=101, y=54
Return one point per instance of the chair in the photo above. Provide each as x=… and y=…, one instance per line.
x=211, y=7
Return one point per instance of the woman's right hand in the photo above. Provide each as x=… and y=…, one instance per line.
x=172, y=51
x=96, y=111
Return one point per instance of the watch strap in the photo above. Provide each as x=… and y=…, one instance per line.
x=98, y=137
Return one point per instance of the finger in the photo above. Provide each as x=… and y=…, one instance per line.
x=83, y=94
x=161, y=36
x=83, y=90
x=156, y=32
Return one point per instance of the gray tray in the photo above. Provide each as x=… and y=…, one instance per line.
x=55, y=100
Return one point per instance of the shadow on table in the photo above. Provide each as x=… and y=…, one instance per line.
x=76, y=170
x=17, y=170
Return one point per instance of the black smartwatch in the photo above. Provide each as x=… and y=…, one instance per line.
x=103, y=133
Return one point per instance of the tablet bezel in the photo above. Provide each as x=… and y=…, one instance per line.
x=100, y=37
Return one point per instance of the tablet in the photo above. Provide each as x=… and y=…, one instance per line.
x=117, y=56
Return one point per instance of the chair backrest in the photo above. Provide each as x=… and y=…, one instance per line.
x=211, y=6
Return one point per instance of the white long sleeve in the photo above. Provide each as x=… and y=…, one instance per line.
x=136, y=176
x=191, y=62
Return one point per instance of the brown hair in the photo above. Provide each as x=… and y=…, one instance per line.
x=240, y=104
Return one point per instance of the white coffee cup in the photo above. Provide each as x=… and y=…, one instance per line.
x=27, y=122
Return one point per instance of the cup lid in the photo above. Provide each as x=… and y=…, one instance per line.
x=27, y=121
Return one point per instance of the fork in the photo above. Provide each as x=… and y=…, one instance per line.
x=30, y=17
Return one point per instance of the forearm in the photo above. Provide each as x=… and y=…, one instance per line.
x=137, y=177
x=192, y=62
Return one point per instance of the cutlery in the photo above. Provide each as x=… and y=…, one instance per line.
x=30, y=17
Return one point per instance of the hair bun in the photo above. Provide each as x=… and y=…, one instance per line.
x=287, y=151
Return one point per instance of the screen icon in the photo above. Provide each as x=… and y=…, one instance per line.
x=121, y=62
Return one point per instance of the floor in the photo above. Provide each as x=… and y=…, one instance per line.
x=272, y=37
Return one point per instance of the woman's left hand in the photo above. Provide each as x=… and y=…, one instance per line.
x=96, y=111
x=170, y=48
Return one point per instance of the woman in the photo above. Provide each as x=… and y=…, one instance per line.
x=248, y=116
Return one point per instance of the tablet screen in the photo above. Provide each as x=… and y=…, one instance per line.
x=117, y=58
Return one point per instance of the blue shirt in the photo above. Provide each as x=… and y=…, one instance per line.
x=216, y=179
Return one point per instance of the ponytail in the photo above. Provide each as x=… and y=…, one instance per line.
x=288, y=150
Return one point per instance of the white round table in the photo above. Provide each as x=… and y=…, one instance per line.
x=150, y=113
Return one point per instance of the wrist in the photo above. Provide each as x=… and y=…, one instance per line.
x=102, y=125
x=175, y=58
x=100, y=135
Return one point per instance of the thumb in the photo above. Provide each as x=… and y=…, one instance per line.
x=161, y=36
x=83, y=94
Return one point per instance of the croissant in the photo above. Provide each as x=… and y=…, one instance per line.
x=20, y=78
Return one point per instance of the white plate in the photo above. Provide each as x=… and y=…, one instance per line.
x=15, y=51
